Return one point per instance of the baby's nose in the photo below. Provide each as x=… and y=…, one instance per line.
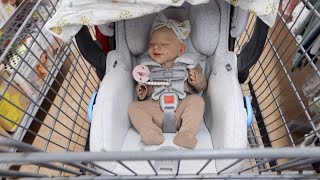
x=156, y=46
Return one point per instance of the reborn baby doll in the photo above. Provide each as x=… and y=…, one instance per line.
x=166, y=48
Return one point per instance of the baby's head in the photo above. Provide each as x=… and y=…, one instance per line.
x=166, y=41
x=165, y=47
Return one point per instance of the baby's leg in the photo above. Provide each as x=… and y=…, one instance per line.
x=142, y=114
x=191, y=112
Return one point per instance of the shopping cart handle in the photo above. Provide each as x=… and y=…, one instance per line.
x=90, y=107
x=249, y=111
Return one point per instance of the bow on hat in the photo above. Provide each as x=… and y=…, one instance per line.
x=181, y=29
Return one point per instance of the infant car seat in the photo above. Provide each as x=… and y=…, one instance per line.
x=224, y=124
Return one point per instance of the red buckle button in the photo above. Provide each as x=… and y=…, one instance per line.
x=168, y=99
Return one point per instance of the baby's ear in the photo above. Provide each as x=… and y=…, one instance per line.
x=182, y=49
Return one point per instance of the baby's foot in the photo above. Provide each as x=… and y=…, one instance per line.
x=152, y=137
x=185, y=139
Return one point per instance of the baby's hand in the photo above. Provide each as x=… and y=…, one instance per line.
x=192, y=75
x=141, y=90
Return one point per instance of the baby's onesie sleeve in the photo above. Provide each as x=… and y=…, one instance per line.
x=200, y=83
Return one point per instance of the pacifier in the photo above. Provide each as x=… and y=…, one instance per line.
x=141, y=73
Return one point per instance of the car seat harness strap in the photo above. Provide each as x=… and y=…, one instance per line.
x=169, y=95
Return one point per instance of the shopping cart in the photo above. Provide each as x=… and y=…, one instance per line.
x=47, y=135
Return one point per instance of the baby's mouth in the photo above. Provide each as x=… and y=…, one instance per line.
x=156, y=54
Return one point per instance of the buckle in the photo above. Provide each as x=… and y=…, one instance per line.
x=169, y=101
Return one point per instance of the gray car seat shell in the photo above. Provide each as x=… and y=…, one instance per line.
x=225, y=115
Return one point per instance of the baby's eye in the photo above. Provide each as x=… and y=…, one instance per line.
x=166, y=44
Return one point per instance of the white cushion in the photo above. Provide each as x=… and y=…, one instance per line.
x=133, y=142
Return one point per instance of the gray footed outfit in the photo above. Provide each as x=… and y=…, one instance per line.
x=146, y=115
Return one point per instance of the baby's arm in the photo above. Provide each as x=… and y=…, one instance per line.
x=197, y=79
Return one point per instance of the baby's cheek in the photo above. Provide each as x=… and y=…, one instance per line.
x=166, y=53
x=150, y=52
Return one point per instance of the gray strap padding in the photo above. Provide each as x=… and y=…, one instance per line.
x=171, y=74
x=176, y=76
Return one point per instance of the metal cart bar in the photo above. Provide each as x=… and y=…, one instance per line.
x=39, y=157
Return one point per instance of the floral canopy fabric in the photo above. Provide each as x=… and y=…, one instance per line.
x=72, y=14
x=266, y=10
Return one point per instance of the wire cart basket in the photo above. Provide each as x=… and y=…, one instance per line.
x=46, y=86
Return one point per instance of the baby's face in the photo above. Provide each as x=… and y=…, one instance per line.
x=164, y=46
